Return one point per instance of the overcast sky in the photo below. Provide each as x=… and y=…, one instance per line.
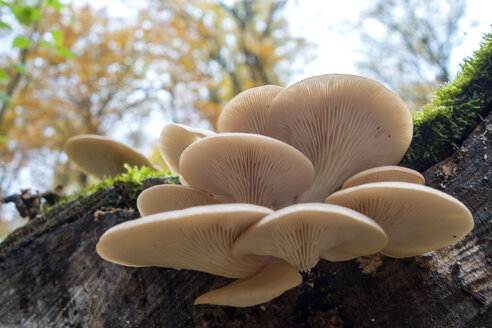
x=322, y=22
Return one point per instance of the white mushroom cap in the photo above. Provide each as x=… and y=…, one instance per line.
x=344, y=124
x=417, y=219
x=198, y=238
x=302, y=234
x=246, y=112
x=251, y=168
x=385, y=174
x=272, y=281
x=168, y=197
x=174, y=139
x=101, y=156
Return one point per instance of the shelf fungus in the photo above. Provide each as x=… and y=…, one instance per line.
x=262, y=199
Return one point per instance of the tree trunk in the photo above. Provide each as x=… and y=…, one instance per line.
x=51, y=276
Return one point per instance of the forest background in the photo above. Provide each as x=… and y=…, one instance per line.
x=124, y=68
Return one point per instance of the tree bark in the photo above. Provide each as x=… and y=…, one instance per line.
x=51, y=276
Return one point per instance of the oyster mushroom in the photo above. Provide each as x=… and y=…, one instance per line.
x=250, y=168
x=276, y=277
x=344, y=124
x=417, y=219
x=302, y=234
x=167, y=197
x=198, y=238
x=383, y=174
x=101, y=156
x=173, y=141
x=246, y=112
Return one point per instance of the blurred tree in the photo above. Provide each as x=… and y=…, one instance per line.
x=407, y=44
x=243, y=44
x=62, y=95
x=183, y=57
x=19, y=33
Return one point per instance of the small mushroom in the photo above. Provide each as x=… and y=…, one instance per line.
x=344, y=124
x=198, y=238
x=385, y=174
x=417, y=219
x=276, y=277
x=101, y=156
x=174, y=139
x=302, y=234
x=168, y=197
x=246, y=112
x=250, y=168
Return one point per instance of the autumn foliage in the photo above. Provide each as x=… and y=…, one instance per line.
x=87, y=71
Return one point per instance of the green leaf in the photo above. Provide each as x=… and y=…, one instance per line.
x=3, y=75
x=21, y=42
x=65, y=53
x=44, y=44
x=55, y=4
x=3, y=138
x=4, y=97
x=5, y=25
x=26, y=14
x=57, y=36
x=19, y=68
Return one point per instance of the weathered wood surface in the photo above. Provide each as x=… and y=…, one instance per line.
x=50, y=275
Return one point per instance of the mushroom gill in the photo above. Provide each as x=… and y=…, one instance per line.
x=247, y=111
x=198, y=238
x=173, y=141
x=250, y=168
x=276, y=277
x=301, y=234
x=344, y=124
x=417, y=219
x=168, y=197
x=385, y=174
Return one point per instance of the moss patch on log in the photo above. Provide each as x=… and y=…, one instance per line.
x=132, y=181
x=457, y=108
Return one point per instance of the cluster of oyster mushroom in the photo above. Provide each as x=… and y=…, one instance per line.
x=293, y=176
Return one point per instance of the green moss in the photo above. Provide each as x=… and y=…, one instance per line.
x=132, y=181
x=457, y=108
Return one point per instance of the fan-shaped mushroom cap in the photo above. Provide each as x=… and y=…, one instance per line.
x=273, y=280
x=198, y=238
x=246, y=112
x=162, y=198
x=417, y=219
x=301, y=234
x=101, y=156
x=174, y=139
x=385, y=174
x=344, y=124
x=251, y=168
